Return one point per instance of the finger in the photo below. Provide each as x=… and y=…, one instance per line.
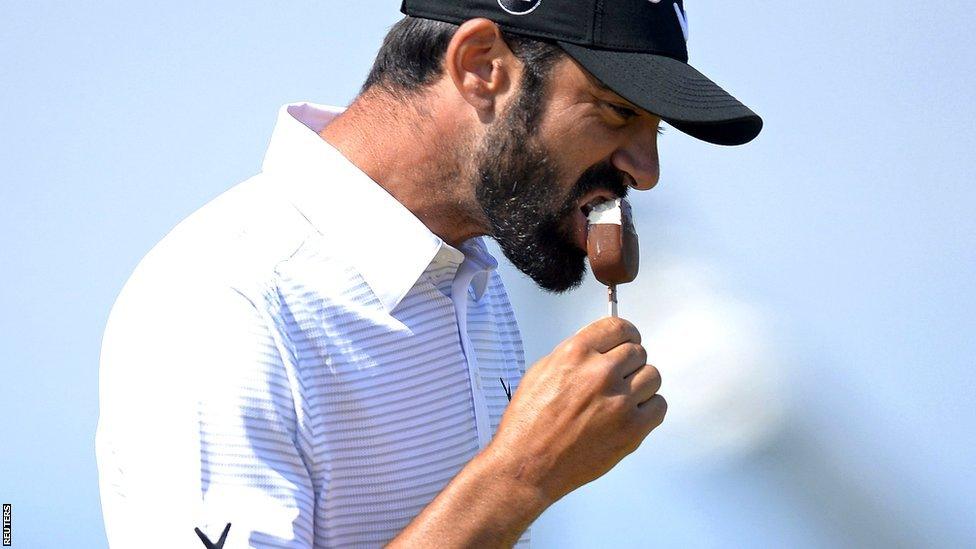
x=607, y=333
x=653, y=411
x=645, y=383
x=626, y=358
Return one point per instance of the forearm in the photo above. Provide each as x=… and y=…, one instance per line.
x=488, y=504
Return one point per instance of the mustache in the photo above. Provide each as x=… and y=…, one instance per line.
x=602, y=176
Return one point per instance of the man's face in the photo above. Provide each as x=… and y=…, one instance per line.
x=534, y=185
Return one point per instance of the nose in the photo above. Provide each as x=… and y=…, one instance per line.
x=637, y=156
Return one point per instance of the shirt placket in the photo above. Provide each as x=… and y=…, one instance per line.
x=459, y=295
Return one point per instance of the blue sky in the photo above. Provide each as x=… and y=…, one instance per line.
x=838, y=247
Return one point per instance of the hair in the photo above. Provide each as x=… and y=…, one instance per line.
x=412, y=57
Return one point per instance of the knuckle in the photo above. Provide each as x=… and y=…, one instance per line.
x=629, y=354
x=621, y=408
x=573, y=349
x=633, y=354
x=629, y=331
x=653, y=374
x=639, y=353
x=634, y=426
x=612, y=321
x=602, y=376
x=660, y=409
x=618, y=323
x=620, y=327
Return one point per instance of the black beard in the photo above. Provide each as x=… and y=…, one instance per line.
x=519, y=193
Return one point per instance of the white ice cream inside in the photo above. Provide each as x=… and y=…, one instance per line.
x=608, y=212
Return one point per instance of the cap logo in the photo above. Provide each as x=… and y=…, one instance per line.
x=519, y=7
x=682, y=20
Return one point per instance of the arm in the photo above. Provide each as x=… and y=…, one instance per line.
x=486, y=505
x=577, y=412
x=198, y=425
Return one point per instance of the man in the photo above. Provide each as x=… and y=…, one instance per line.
x=324, y=355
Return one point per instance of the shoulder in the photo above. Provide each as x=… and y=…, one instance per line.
x=232, y=243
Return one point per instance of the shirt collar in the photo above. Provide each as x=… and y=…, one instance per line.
x=386, y=243
x=476, y=252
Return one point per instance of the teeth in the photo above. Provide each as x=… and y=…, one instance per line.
x=588, y=207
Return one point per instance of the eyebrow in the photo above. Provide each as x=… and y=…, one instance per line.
x=603, y=87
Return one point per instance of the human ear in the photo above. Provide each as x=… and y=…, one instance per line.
x=480, y=64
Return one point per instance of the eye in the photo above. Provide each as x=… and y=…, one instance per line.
x=623, y=112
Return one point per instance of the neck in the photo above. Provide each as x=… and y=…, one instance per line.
x=403, y=147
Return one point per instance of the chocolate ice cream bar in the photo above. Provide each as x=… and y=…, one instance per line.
x=611, y=243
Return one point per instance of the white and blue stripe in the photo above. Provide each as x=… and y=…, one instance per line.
x=296, y=368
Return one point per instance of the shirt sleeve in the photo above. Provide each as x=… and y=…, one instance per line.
x=199, y=425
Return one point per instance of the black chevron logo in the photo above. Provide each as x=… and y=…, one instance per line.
x=508, y=389
x=211, y=545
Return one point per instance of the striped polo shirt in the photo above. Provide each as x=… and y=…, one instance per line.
x=301, y=358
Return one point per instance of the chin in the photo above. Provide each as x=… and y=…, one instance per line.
x=556, y=274
x=563, y=288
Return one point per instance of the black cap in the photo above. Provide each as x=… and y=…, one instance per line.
x=637, y=48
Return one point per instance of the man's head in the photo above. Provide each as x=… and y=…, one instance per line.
x=528, y=186
x=543, y=106
x=540, y=149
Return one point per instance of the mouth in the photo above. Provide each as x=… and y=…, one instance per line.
x=593, y=199
x=586, y=204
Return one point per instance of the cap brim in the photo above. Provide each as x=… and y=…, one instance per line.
x=683, y=97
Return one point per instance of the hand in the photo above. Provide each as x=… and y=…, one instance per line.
x=580, y=410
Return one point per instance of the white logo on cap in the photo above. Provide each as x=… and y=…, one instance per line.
x=682, y=19
x=519, y=7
